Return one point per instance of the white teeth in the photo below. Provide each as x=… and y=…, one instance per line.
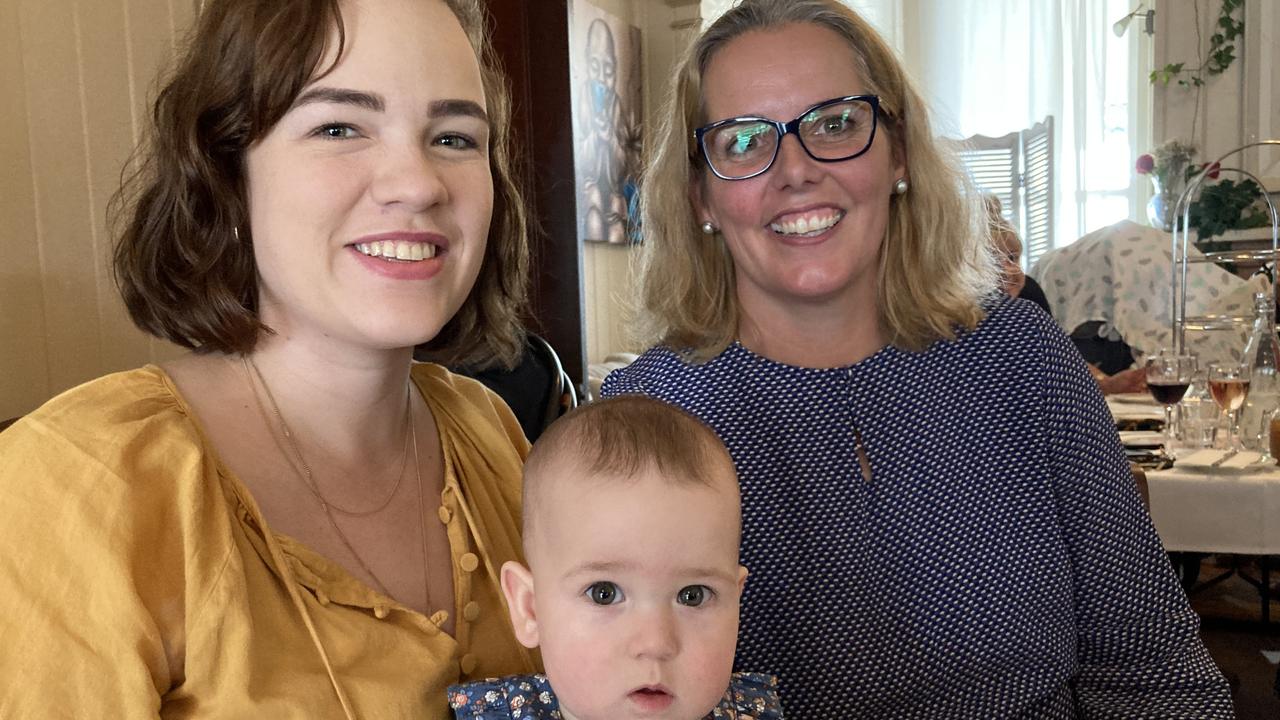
x=807, y=224
x=392, y=250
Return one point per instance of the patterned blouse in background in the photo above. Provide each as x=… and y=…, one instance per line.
x=750, y=696
x=1120, y=276
x=997, y=563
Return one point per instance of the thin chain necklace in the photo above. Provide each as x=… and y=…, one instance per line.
x=312, y=486
x=304, y=473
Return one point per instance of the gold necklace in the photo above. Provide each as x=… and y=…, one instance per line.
x=309, y=481
x=315, y=488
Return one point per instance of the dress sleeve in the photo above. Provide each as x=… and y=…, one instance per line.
x=91, y=597
x=1138, y=644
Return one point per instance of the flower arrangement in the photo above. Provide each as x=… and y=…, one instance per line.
x=1219, y=207
x=1170, y=164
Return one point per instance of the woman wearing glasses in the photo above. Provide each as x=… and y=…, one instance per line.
x=937, y=515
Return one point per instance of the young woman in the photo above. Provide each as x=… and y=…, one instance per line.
x=294, y=520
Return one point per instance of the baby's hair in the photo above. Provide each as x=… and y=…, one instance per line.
x=620, y=438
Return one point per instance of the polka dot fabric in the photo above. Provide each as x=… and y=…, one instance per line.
x=997, y=563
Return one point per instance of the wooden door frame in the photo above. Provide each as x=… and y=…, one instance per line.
x=532, y=41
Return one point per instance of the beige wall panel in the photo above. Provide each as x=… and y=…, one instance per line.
x=608, y=286
x=23, y=360
x=77, y=76
x=63, y=212
x=104, y=54
x=150, y=46
x=183, y=14
x=595, y=309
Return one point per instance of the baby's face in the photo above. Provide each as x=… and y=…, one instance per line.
x=637, y=585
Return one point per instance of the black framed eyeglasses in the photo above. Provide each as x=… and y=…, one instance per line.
x=831, y=131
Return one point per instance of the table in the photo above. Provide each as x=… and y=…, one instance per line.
x=1212, y=511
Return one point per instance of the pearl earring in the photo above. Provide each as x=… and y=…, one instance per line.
x=235, y=231
x=901, y=186
x=708, y=228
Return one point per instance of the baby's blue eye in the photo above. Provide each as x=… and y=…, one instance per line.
x=693, y=595
x=604, y=593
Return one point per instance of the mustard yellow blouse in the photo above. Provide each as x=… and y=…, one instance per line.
x=139, y=579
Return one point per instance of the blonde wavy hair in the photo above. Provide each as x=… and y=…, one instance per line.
x=935, y=266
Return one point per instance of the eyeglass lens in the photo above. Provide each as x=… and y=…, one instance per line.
x=829, y=132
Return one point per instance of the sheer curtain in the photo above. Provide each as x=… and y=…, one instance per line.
x=994, y=66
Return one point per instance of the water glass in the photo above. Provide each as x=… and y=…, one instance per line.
x=1198, y=415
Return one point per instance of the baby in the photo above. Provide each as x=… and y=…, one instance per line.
x=631, y=531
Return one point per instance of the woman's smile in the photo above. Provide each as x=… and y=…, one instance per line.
x=808, y=223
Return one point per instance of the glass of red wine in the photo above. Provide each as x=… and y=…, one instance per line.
x=1168, y=377
x=1229, y=386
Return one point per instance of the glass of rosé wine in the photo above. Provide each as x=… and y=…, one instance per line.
x=1229, y=386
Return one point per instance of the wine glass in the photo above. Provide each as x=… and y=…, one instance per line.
x=1229, y=385
x=1168, y=377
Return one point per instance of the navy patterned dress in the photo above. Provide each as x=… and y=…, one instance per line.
x=997, y=563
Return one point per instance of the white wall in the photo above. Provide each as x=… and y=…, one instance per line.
x=1242, y=105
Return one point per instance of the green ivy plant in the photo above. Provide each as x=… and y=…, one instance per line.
x=1222, y=51
x=1227, y=205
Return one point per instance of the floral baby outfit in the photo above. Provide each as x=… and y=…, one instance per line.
x=751, y=696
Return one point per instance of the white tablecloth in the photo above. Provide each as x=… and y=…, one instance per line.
x=1199, y=510
x=1134, y=406
x=1217, y=512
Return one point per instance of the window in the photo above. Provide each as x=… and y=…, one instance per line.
x=991, y=67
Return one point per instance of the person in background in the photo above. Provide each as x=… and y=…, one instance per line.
x=1015, y=283
x=937, y=512
x=293, y=520
x=1008, y=248
x=632, y=584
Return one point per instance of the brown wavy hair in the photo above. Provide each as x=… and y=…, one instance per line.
x=184, y=259
x=935, y=268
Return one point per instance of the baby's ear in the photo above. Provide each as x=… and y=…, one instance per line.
x=517, y=586
x=742, y=579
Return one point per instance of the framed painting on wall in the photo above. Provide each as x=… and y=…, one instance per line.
x=605, y=73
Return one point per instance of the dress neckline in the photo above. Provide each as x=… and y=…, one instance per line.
x=737, y=350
